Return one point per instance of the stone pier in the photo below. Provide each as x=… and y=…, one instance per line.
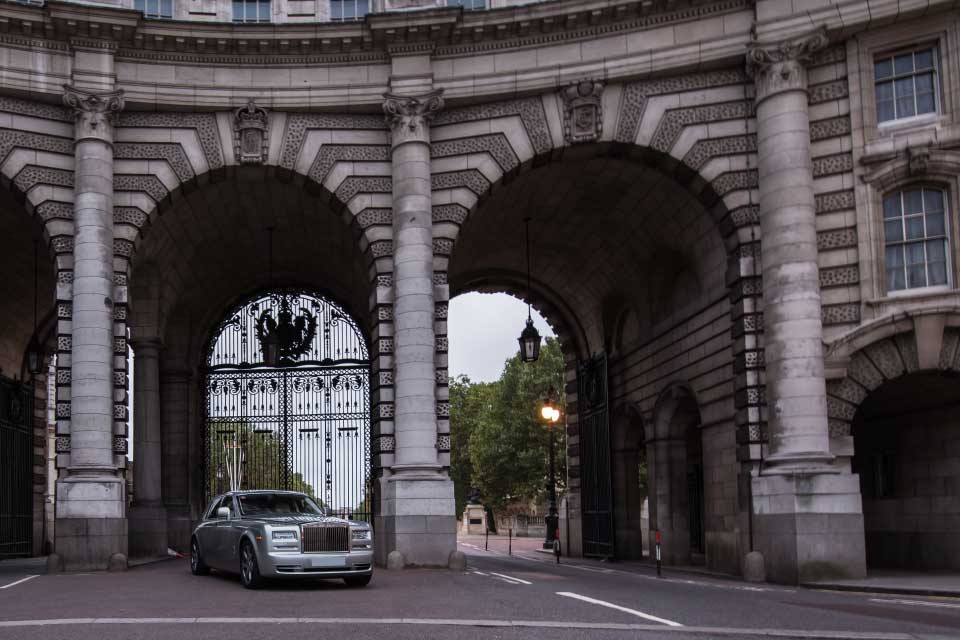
x=91, y=495
x=417, y=505
x=807, y=515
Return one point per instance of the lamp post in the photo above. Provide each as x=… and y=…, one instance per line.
x=551, y=416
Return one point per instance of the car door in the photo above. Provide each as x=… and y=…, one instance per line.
x=228, y=532
x=206, y=533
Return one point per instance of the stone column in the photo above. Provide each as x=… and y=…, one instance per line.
x=148, y=517
x=91, y=505
x=175, y=417
x=417, y=508
x=808, y=518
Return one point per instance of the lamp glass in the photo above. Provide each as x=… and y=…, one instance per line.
x=554, y=414
x=546, y=411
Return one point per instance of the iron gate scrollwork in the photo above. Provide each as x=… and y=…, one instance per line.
x=595, y=479
x=16, y=469
x=287, y=392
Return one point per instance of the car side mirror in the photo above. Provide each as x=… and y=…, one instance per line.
x=223, y=513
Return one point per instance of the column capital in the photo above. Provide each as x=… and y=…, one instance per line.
x=95, y=112
x=146, y=346
x=781, y=66
x=409, y=116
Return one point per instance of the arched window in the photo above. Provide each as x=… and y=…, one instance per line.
x=915, y=238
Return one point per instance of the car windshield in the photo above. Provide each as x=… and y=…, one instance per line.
x=269, y=504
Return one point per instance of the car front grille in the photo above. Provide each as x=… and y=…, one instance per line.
x=324, y=538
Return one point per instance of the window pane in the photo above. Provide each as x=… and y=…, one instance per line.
x=903, y=64
x=916, y=276
x=895, y=279
x=915, y=254
x=925, y=103
x=912, y=201
x=363, y=7
x=891, y=205
x=935, y=226
x=139, y=5
x=914, y=225
x=237, y=11
x=924, y=83
x=885, y=91
x=166, y=8
x=933, y=200
x=894, y=256
x=938, y=273
x=885, y=111
x=883, y=69
x=892, y=231
x=905, y=107
x=936, y=250
x=348, y=10
x=924, y=59
x=265, y=12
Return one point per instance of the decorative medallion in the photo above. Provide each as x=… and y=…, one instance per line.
x=285, y=339
x=250, y=139
x=582, y=111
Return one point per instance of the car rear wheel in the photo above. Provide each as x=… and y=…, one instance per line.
x=249, y=570
x=197, y=566
x=358, y=581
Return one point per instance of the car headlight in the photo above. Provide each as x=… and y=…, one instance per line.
x=361, y=534
x=284, y=536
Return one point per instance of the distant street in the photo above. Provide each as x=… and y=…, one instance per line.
x=499, y=596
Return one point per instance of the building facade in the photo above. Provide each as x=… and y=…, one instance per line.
x=745, y=233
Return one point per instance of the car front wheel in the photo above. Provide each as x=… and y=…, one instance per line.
x=358, y=581
x=197, y=566
x=249, y=570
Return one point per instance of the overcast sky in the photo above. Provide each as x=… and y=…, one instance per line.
x=483, y=329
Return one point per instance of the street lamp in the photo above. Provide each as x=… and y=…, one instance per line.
x=551, y=416
x=529, y=337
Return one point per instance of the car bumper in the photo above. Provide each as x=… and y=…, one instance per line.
x=284, y=564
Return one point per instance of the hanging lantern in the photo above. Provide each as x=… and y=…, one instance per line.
x=529, y=343
x=34, y=356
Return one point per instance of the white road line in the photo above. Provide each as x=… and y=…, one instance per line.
x=520, y=580
x=602, y=603
x=21, y=581
x=479, y=573
x=919, y=603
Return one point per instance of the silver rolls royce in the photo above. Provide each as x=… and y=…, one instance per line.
x=279, y=534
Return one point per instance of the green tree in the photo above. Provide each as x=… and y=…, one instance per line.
x=509, y=443
x=260, y=456
x=470, y=403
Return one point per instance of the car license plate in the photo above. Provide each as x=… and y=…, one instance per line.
x=328, y=561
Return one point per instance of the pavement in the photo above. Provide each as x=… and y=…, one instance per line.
x=523, y=595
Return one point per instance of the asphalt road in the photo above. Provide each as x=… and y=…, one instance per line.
x=523, y=596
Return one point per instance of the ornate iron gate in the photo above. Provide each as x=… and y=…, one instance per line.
x=16, y=469
x=288, y=402
x=595, y=480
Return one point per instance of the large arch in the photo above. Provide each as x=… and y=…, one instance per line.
x=201, y=254
x=906, y=458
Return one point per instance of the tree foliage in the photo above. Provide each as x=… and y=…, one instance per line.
x=260, y=462
x=499, y=442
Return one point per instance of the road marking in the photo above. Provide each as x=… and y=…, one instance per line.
x=706, y=632
x=919, y=603
x=520, y=580
x=479, y=573
x=603, y=603
x=21, y=581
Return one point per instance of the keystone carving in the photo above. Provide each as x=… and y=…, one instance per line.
x=918, y=159
x=409, y=116
x=582, y=111
x=250, y=134
x=95, y=113
x=778, y=67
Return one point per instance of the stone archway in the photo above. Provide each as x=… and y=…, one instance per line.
x=893, y=420
x=675, y=453
x=630, y=483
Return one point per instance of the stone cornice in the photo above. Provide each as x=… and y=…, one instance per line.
x=448, y=30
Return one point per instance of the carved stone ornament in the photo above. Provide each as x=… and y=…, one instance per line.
x=95, y=113
x=918, y=159
x=782, y=66
x=250, y=134
x=582, y=111
x=409, y=116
